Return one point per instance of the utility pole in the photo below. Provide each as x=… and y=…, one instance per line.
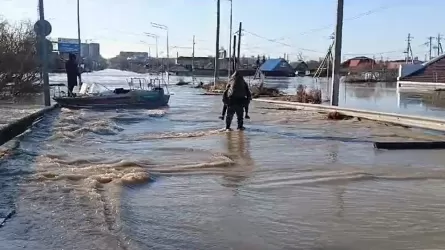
x=44, y=57
x=193, y=56
x=218, y=14
x=230, y=43
x=239, y=43
x=430, y=45
x=439, y=45
x=79, y=42
x=234, y=55
x=337, y=54
x=409, y=51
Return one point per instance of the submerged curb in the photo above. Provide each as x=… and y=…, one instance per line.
x=405, y=120
x=19, y=126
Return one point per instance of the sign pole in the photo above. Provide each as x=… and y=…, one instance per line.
x=44, y=55
x=80, y=44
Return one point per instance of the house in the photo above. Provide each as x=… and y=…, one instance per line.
x=395, y=64
x=428, y=73
x=300, y=67
x=359, y=64
x=277, y=67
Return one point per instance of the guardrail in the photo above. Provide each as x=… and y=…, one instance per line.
x=406, y=120
x=419, y=86
x=19, y=126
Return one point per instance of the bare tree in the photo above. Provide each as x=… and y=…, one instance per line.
x=19, y=66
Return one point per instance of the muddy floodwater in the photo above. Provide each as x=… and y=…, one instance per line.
x=172, y=179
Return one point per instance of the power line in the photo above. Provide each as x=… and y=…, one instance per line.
x=367, y=13
x=281, y=43
x=311, y=50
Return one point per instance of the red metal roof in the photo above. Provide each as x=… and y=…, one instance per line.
x=354, y=63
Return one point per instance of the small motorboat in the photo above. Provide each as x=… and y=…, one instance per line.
x=140, y=94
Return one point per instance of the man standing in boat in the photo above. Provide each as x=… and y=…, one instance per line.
x=72, y=72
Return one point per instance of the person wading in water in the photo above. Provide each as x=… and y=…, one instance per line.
x=236, y=96
x=72, y=72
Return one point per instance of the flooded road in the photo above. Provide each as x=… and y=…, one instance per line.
x=171, y=179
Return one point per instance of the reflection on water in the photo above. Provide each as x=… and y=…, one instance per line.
x=172, y=179
x=238, y=151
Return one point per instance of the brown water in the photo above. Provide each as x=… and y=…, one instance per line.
x=171, y=179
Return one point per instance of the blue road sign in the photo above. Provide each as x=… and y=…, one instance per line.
x=68, y=47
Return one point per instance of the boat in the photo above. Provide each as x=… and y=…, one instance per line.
x=140, y=94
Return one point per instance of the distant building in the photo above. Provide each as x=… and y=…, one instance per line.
x=395, y=64
x=359, y=64
x=84, y=50
x=130, y=54
x=94, y=50
x=198, y=62
x=277, y=67
x=300, y=67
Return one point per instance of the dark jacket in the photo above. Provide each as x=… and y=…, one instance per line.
x=72, y=72
x=237, y=91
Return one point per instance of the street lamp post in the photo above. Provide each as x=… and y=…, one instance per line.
x=149, y=47
x=156, y=38
x=164, y=27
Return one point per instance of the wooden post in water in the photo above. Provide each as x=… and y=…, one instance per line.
x=337, y=55
x=216, y=73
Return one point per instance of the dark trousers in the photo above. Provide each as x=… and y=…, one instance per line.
x=72, y=82
x=70, y=90
x=224, y=110
x=237, y=109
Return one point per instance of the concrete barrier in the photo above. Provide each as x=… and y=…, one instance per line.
x=19, y=126
x=406, y=120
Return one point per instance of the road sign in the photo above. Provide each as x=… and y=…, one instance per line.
x=68, y=40
x=68, y=47
x=42, y=24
